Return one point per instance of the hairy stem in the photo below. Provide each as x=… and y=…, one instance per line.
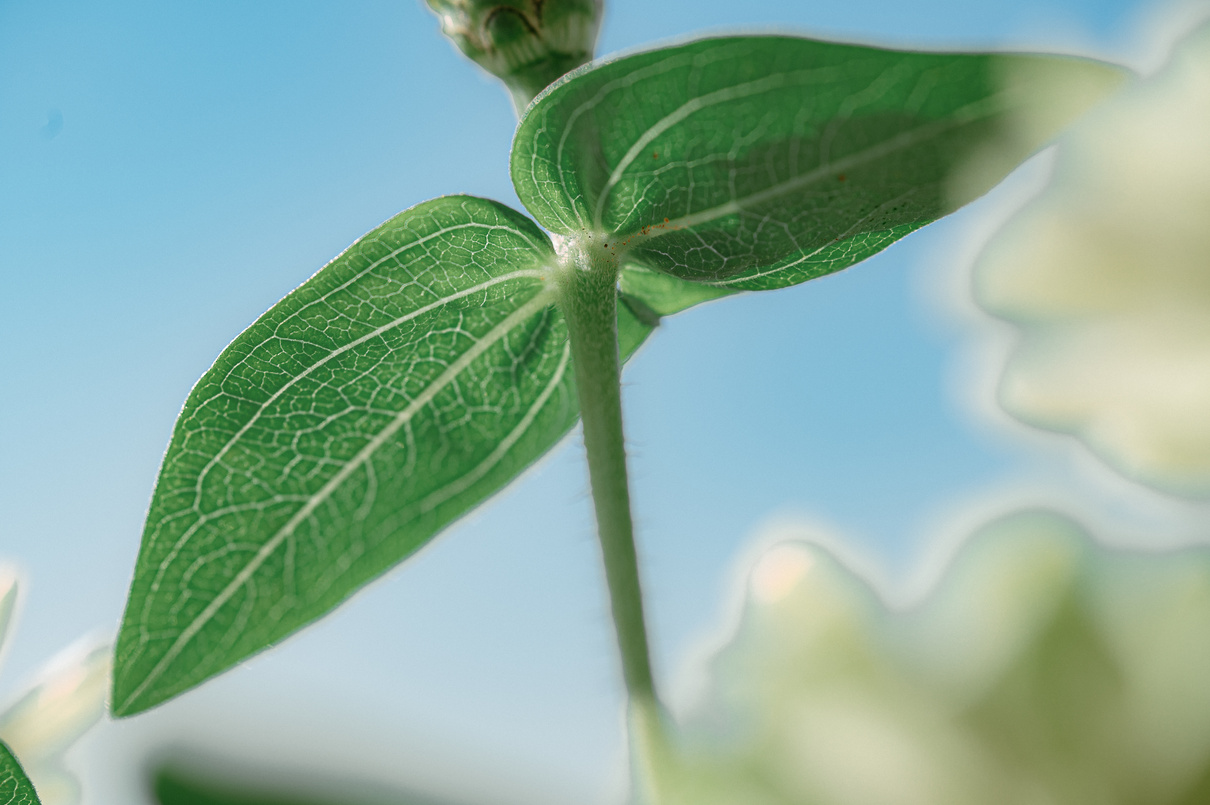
x=588, y=296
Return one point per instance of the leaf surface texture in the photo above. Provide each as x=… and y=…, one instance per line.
x=763, y=161
x=15, y=787
x=404, y=383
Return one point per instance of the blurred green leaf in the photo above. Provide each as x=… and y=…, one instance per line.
x=173, y=790
x=175, y=786
x=404, y=383
x=763, y=161
x=15, y=787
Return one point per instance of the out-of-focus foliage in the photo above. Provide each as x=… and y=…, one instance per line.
x=1042, y=669
x=66, y=700
x=1107, y=275
x=173, y=785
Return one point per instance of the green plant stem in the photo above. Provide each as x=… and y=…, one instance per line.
x=588, y=296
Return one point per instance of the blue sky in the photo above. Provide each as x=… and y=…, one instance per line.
x=169, y=170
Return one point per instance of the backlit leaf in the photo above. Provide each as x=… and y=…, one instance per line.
x=15, y=787
x=404, y=383
x=175, y=786
x=763, y=161
x=665, y=294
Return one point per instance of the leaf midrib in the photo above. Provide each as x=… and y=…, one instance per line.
x=982, y=108
x=850, y=232
x=542, y=299
x=205, y=517
x=384, y=328
x=454, y=488
x=628, y=79
x=748, y=89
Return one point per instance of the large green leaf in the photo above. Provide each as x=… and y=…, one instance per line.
x=15, y=787
x=408, y=380
x=763, y=161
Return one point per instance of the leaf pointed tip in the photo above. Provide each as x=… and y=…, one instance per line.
x=125, y=697
x=355, y=370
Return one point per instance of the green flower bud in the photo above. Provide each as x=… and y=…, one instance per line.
x=527, y=44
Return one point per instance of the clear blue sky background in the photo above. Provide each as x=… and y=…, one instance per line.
x=169, y=170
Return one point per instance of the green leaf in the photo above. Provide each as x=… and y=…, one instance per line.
x=763, y=161
x=664, y=294
x=173, y=786
x=403, y=384
x=635, y=323
x=15, y=787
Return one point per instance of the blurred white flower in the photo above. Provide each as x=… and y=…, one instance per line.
x=1107, y=277
x=67, y=698
x=1043, y=670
